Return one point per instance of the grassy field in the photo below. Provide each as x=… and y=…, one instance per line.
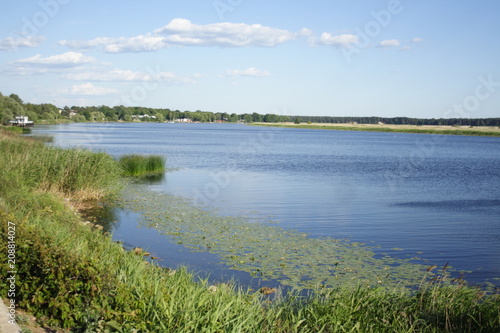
x=73, y=276
x=425, y=129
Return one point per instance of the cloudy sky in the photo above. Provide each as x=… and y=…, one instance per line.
x=422, y=58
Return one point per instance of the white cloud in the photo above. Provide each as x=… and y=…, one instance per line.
x=9, y=43
x=252, y=71
x=417, y=40
x=38, y=64
x=119, y=75
x=182, y=32
x=83, y=45
x=343, y=40
x=405, y=48
x=390, y=43
x=136, y=44
x=68, y=59
x=90, y=89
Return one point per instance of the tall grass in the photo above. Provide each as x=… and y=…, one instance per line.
x=16, y=129
x=74, y=276
x=138, y=165
x=76, y=172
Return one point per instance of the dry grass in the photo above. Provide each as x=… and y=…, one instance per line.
x=428, y=129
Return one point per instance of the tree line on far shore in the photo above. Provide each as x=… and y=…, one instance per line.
x=12, y=106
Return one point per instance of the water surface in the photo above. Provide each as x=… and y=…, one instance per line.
x=433, y=196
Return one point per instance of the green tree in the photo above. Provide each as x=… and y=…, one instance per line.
x=233, y=118
x=270, y=118
x=79, y=118
x=9, y=108
x=16, y=98
x=159, y=117
x=248, y=118
x=257, y=117
x=97, y=116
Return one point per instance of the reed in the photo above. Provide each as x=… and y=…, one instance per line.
x=41, y=138
x=139, y=165
x=15, y=129
x=71, y=172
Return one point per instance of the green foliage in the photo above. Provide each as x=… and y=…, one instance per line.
x=9, y=108
x=97, y=116
x=50, y=113
x=138, y=165
x=69, y=171
x=16, y=98
x=159, y=117
x=45, y=113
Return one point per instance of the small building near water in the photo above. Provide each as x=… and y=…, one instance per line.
x=21, y=121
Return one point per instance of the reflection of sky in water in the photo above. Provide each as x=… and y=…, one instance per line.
x=421, y=193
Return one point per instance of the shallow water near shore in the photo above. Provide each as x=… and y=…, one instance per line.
x=406, y=195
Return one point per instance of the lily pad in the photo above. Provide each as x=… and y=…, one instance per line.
x=269, y=251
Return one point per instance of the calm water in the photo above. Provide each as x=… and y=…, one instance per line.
x=434, y=196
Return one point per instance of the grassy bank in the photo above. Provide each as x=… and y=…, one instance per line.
x=427, y=129
x=74, y=276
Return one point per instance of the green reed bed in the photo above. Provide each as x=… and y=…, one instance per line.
x=139, y=165
x=67, y=171
x=73, y=276
x=16, y=129
x=41, y=138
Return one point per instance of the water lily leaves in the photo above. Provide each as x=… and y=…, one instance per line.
x=266, y=250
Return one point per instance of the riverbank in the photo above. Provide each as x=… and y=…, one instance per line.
x=73, y=276
x=424, y=129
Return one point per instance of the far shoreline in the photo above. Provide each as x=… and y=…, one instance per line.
x=488, y=131
x=491, y=131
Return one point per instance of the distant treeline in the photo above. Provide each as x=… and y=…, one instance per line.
x=12, y=105
x=401, y=120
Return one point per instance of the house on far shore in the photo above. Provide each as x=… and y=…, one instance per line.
x=21, y=121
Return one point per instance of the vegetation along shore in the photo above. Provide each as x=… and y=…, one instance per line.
x=46, y=113
x=74, y=277
x=394, y=128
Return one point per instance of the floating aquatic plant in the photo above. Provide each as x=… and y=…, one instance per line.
x=268, y=251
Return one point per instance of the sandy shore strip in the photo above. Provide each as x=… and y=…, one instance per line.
x=5, y=325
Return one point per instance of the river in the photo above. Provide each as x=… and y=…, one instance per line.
x=432, y=196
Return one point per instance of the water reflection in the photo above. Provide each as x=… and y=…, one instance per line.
x=103, y=214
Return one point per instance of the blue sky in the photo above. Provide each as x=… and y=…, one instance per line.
x=420, y=58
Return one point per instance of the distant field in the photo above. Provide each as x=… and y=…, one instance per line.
x=424, y=129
